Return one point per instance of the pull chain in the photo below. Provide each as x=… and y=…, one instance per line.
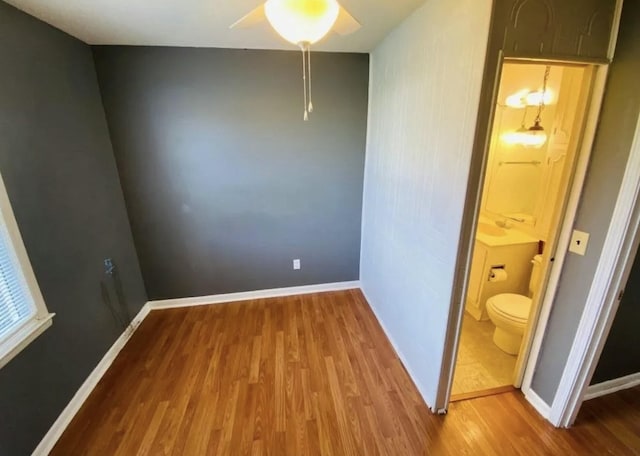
x=304, y=82
x=524, y=117
x=306, y=70
x=541, y=105
x=310, y=108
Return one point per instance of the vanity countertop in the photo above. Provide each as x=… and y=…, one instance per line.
x=493, y=236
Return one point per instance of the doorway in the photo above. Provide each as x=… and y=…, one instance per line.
x=535, y=143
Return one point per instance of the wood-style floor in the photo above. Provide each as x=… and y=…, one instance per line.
x=305, y=375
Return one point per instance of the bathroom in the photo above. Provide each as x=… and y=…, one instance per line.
x=535, y=144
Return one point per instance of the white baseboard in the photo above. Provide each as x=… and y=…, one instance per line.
x=538, y=403
x=612, y=386
x=414, y=378
x=248, y=295
x=47, y=443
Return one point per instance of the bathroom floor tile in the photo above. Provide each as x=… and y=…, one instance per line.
x=481, y=364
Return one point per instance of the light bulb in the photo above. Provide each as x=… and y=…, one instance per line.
x=515, y=138
x=302, y=21
x=534, y=137
x=525, y=98
x=534, y=98
x=518, y=99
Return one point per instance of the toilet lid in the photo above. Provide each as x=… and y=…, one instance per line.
x=513, y=306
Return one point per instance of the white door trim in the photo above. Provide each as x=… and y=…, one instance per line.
x=612, y=386
x=584, y=154
x=567, y=401
x=575, y=193
x=618, y=253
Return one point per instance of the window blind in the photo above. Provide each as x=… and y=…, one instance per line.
x=16, y=304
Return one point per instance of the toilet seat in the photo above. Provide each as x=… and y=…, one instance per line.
x=512, y=307
x=509, y=312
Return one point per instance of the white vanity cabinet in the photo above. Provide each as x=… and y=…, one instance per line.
x=516, y=259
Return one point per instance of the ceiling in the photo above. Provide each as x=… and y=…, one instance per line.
x=203, y=23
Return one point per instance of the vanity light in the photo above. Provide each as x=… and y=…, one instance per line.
x=520, y=137
x=535, y=136
x=540, y=96
x=526, y=97
x=528, y=137
x=518, y=100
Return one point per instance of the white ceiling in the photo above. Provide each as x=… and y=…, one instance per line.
x=203, y=23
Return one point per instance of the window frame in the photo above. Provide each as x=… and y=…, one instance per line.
x=17, y=340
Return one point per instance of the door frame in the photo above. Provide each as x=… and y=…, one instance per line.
x=576, y=168
x=564, y=239
x=465, y=254
x=617, y=258
x=613, y=268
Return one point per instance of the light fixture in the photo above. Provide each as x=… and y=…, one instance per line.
x=302, y=22
x=541, y=96
x=526, y=97
x=518, y=100
x=535, y=136
x=527, y=137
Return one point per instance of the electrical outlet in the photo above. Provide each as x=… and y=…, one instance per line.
x=109, y=266
x=296, y=264
x=579, y=242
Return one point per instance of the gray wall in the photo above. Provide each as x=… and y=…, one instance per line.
x=609, y=157
x=621, y=354
x=224, y=182
x=58, y=167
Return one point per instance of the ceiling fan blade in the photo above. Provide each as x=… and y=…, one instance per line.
x=346, y=24
x=253, y=18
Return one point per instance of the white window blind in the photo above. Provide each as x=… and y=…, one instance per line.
x=23, y=312
x=16, y=304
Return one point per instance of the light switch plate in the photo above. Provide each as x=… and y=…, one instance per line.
x=579, y=242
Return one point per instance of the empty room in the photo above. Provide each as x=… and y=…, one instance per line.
x=300, y=227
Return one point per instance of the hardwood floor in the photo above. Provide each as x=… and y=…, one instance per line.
x=305, y=375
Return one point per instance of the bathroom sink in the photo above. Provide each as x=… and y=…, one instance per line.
x=491, y=230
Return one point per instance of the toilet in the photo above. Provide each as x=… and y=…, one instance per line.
x=510, y=312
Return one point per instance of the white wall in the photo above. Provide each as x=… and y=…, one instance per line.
x=424, y=94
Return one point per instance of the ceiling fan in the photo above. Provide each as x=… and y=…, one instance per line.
x=302, y=23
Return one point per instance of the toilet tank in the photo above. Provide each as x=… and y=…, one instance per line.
x=536, y=274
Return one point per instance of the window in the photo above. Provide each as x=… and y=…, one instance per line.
x=23, y=314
